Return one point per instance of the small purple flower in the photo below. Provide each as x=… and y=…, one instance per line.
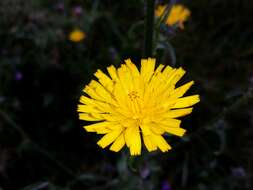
x=18, y=76
x=113, y=53
x=166, y=185
x=238, y=172
x=60, y=6
x=145, y=172
x=78, y=11
x=170, y=31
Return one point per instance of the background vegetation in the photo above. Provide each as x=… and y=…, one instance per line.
x=42, y=143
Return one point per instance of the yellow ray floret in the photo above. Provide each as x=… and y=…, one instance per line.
x=178, y=14
x=130, y=106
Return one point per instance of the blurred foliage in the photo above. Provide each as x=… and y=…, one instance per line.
x=42, y=143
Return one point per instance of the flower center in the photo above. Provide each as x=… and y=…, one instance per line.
x=135, y=105
x=133, y=95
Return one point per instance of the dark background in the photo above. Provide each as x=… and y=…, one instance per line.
x=42, y=73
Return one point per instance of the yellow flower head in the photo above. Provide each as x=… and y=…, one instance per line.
x=178, y=14
x=77, y=35
x=130, y=104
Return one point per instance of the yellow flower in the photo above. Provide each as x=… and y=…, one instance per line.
x=177, y=15
x=77, y=35
x=130, y=104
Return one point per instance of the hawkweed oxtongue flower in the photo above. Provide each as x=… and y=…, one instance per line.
x=129, y=105
x=77, y=35
x=177, y=16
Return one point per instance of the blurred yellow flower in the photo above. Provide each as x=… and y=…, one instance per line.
x=177, y=15
x=129, y=105
x=76, y=35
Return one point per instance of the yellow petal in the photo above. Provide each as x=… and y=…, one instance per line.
x=145, y=129
x=180, y=91
x=86, y=100
x=89, y=117
x=120, y=96
x=168, y=71
x=149, y=144
x=156, y=129
x=118, y=144
x=174, y=130
x=125, y=79
x=186, y=101
x=108, y=138
x=159, y=68
x=178, y=112
x=99, y=105
x=91, y=92
x=100, y=128
x=147, y=68
x=127, y=136
x=133, y=140
x=178, y=75
x=112, y=71
x=87, y=109
x=160, y=142
x=159, y=10
x=170, y=122
x=132, y=67
x=104, y=80
x=97, y=91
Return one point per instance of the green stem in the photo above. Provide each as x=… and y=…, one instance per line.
x=26, y=138
x=149, y=28
x=8, y=120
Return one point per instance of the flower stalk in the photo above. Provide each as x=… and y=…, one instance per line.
x=149, y=28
